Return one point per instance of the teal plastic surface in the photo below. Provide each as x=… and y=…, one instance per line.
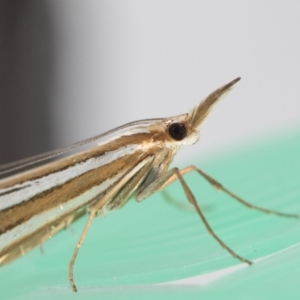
x=127, y=253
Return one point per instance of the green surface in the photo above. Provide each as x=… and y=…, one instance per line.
x=130, y=250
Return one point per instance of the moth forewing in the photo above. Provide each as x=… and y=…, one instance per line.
x=39, y=237
x=35, y=202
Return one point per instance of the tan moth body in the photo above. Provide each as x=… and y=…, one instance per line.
x=37, y=203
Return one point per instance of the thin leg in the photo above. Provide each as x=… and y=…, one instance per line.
x=98, y=202
x=192, y=200
x=78, y=245
x=219, y=186
x=160, y=182
x=94, y=209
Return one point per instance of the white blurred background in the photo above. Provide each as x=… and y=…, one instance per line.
x=119, y=61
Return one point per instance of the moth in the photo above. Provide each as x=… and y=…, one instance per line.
x=133, y=162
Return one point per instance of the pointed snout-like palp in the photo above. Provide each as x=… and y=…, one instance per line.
x=199, y=113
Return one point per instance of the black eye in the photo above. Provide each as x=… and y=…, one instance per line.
x=177, y=131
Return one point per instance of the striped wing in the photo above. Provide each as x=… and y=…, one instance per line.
x=36, y=204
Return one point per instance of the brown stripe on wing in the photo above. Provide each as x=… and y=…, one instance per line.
x=65, y=163
x=37, y=238
x=16, y=215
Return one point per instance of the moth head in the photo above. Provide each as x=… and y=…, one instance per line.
x=185, y=128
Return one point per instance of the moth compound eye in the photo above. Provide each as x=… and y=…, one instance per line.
x=177, y=131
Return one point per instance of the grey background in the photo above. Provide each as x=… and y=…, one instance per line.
x=26, y=72
x=112, y=62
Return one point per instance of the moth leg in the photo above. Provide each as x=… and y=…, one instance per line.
x=158, y=183
x=99, y=201
x=220, y=187
x=78, y=245
x=174, y=177
x=94, y=210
